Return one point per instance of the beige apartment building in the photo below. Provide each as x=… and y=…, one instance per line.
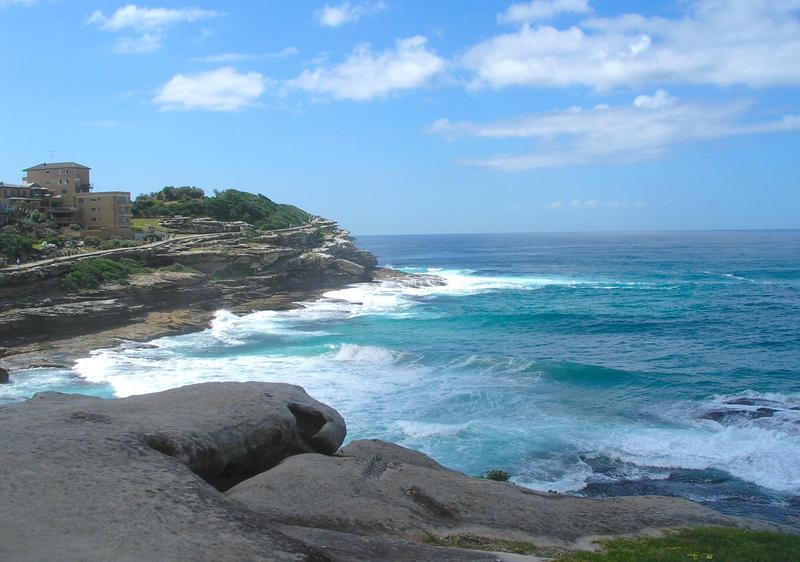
x=64, y=190
x=105, y=212
x=67, y=179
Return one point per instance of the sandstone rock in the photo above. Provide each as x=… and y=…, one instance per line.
x=91, y=479
x=375, y=488
x=139, y=478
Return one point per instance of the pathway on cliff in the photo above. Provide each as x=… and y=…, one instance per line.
x=317, y=221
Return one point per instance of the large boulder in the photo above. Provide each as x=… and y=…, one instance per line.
x=140, y=478
x=375, y=488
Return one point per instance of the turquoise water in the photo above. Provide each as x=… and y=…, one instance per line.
x=582, y=363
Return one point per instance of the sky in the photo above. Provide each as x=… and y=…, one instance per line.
x=401, y=116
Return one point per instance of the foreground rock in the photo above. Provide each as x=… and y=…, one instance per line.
x=145, y=478
x=140, y=478
x=376, y=488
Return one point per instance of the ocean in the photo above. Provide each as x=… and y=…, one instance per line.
x=589, y=363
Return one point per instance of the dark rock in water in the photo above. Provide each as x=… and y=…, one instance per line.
x=724, y=416
x=751, y=402
x=142, y=478
x=3, y=376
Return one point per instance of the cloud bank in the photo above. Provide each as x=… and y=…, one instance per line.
x=649, y=127
x=717, y=42
x=146, y=27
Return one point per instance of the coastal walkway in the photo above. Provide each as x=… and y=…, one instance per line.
x=316, y=221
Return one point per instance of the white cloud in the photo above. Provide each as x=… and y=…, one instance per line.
x=656, y=101
x=146, y=26
x=596, y=204
x=366, y=74
x=542, y=10
x=235, y=57
x=719, y=42
x=224, y=89
x=335, y=16
x=648, y=128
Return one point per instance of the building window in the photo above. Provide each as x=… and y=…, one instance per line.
x=94, y=219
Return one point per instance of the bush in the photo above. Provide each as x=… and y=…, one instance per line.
x=117, y=243
x=91, y=273
x=496, y=475
x=227, y=205
x=14, y=245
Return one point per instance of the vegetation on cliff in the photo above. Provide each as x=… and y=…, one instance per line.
x=91, y=273
x=700, y=544
x=227, y=205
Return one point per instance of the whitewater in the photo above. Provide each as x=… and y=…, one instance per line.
x=593, y=364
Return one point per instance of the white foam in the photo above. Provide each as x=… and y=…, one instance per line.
x=350, y=352
x=765, y=457
x=424, y=430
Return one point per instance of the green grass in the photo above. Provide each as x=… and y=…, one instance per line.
x=144, y=224
x=703, y=544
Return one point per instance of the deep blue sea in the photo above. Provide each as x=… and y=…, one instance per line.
x=597, y=364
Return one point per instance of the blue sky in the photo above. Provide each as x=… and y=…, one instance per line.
x=403, y=116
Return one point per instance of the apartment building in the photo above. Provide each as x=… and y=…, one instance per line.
x=106, y=212
x=64, y=191
x=67, y=179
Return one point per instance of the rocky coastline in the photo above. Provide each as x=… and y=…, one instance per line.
x=254, y=471
x=242, y=271
x=247, y=471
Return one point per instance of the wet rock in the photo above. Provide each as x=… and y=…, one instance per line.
x=4, y=378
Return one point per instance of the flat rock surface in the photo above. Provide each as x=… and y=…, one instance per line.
x=377, y=488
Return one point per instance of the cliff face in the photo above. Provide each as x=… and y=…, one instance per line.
x=235, y=270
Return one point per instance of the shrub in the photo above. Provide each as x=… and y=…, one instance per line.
x=496, y=475
x=14, y=245
x=117, y=243
x=226, y=205
x=91, y=273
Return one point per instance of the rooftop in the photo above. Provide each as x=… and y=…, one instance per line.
x=53, y=165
